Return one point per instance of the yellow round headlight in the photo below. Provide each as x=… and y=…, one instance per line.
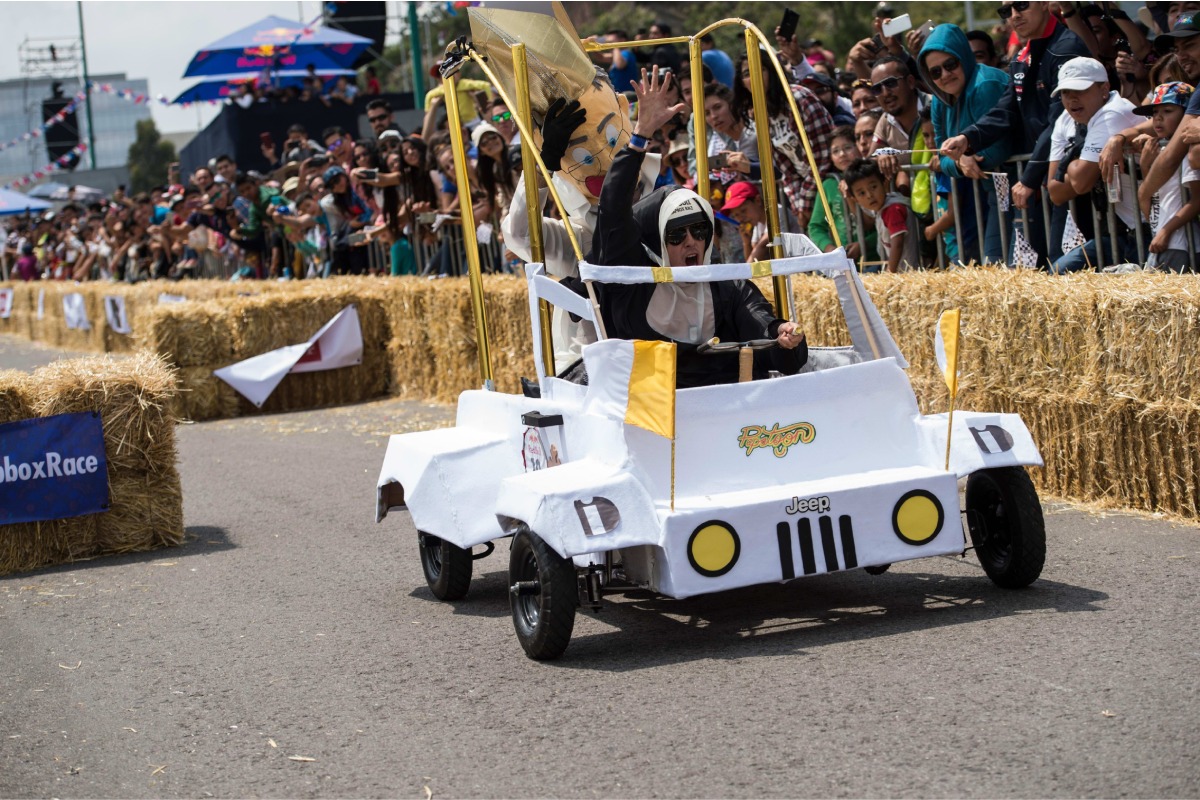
x=713, y=548
x=918, y=517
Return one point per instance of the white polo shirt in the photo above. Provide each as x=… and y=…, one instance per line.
x=1113, y=117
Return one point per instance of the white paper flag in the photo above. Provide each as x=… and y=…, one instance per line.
x=163, y=297
x=337, y=344
x=6, y=301
x=1072, y=237
x=75, y=312
x=114, y=309
x=41, y=304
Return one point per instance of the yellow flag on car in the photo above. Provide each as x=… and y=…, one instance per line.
x=652, y=388
x=945, y=348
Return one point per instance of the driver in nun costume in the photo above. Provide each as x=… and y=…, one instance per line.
x=673, y=227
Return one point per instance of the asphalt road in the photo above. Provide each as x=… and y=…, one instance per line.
x=291, y=625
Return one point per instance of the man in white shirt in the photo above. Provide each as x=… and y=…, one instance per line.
x=1093, y=114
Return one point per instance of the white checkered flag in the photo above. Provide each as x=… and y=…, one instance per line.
x=1023, y=253
x=1000, y=182
x=1072, y=236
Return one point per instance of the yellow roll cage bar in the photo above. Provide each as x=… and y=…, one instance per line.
x=462, y=51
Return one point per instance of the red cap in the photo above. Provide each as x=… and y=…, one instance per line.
x=737, y=194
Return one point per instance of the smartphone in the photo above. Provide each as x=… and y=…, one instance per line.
x=267, y=140
x=356, y=238
x=427, y=218
x=787, y=27
x=368, y=174
x=876, y=43
x=924, y=31
x=897, y=25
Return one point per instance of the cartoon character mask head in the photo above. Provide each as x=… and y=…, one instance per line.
x=558, y=68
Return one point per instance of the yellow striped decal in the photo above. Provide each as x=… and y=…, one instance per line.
x=662, y=274
x=760, y=269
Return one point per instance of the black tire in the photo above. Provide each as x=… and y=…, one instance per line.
x=447, y=567
x=543, y=618
x=877, y=570
x=1004, y=516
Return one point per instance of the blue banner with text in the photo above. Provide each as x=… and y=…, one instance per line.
x=52, y=468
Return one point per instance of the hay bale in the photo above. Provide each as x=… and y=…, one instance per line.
x=14, y=396
x=146, y=513
x=204, y=396
x=188, y=334
x=31, y=545
x=134, y=398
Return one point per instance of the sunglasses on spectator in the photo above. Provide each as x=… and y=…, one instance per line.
x=700, y=231
x=504, y=117
x=947, y=66
x=888, y=84
x=1019, y=7
x=378, y=118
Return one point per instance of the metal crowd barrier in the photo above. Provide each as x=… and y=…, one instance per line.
x=1108, y=250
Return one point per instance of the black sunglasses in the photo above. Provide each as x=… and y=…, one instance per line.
x=700, y=231
x=887, y=83
x=1020, y=7
x=949, y=65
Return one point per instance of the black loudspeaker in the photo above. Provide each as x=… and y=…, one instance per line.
x=63, y=137
x=362, y=18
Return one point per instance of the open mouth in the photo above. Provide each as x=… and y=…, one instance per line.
x=594, y=184
x=692, y=260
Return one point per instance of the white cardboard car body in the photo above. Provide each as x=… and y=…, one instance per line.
x=830, y=469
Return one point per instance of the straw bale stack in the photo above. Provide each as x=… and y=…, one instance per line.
x=14, y=396
x=189, y=334
x=410, y=350
x=133, y=397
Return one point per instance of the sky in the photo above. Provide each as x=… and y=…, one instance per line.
x=151, y=40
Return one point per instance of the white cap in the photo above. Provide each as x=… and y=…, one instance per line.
x=1080, y=73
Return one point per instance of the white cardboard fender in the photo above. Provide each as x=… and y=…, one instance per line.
x=585, y=506
x=449, y=481
x=981, y=440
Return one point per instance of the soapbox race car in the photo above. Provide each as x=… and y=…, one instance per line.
x=620, y=480
x=831, y=469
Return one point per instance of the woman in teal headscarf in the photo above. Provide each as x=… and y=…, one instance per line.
x=963, y=93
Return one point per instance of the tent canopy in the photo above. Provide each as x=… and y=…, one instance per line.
x=277, y=43
x=220, y=87
x=16, y=203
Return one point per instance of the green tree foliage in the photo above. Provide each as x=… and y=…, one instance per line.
x=149, y=157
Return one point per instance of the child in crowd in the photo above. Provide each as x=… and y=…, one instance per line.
x=943, y=216
x=844, y=151
x=1170, y=215
x=895, y=221
x=744, y=205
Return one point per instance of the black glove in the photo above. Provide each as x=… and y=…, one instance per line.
x=562, y=118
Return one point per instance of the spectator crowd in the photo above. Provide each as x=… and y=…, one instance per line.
x=1066, y=138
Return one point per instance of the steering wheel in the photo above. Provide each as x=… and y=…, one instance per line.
x=715, y=346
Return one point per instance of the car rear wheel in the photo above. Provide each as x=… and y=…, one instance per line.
x=447, y=567
x=1004, y=516
x=543, y=595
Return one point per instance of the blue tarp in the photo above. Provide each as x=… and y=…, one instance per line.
x=16, y=203
x=280, y=44
x=227, y=86
x=52, y=468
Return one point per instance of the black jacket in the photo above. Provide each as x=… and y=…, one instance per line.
x=623, y=232
x=1026, y=112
